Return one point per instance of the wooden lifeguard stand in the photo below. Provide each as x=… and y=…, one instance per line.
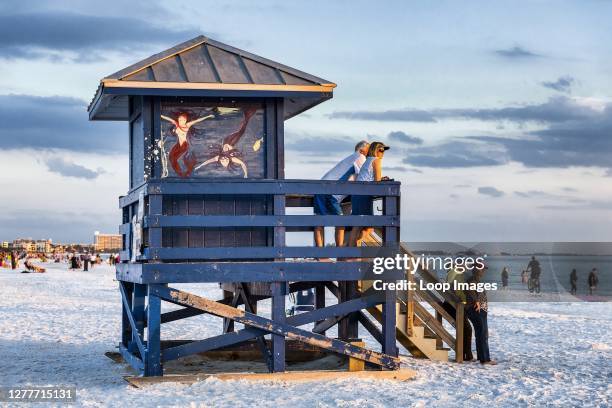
x=207, y=203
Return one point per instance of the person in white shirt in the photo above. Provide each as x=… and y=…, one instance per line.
x=327, y=204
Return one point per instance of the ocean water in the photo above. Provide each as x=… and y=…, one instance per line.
x=555, y=276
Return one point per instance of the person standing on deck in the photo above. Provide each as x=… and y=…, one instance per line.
x=593, y=281
x=362, y=205
x=574, y=282
x=328, y=204
x=476, y=310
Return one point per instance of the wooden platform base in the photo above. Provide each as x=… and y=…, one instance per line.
x=289, y=376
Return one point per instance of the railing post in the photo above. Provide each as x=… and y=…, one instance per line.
x=410, y=305
x=459, y=317
x=439, y=343
x=320, y=300
x=155, y=233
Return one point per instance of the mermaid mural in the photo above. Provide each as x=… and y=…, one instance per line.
x=194, y=145
x=180, y=150
x=225, y=154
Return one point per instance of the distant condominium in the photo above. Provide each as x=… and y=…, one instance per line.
x=30, y=245
x=107, y=242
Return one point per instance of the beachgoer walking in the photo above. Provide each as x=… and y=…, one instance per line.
x=574, y=282
x=504, y=277
x=593, y=281
x=534, y=278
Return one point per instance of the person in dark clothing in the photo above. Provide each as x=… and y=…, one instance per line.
x=504, y=276
x=74, y=262
x=451, y=277
x=534, y=277
x=86, y=260
x=574, y=282
x=476, y=310
x=593, y=281
x=13, y=260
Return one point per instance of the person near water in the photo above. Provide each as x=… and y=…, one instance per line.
x=477, y=309
x=504, y=277
x=593, y=281
x=534, y=268
x=371, y=170
x=573, y=282
x=454, y=276
x=327, y=204
x=524, y=277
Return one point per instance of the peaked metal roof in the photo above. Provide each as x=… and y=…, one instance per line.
x=205, y=67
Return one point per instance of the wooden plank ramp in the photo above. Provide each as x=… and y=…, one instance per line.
x=288, y=376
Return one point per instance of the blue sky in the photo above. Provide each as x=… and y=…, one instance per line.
x=499, y=114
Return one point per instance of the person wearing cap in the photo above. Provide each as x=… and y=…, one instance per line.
x=454, y=276
x=327, y=204
x=476, y=310
x=362, y=205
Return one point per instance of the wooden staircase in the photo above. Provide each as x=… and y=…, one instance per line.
x=420, y=315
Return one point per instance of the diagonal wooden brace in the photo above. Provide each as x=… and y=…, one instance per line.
x=262, y=323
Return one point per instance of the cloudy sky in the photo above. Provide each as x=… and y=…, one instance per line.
x=499, y=114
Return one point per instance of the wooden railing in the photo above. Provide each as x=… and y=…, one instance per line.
x=414, y=303
x=271, y=220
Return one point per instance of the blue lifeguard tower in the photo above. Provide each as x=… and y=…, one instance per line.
x=208, y=200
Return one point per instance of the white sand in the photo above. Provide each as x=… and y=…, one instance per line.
x=55, y=328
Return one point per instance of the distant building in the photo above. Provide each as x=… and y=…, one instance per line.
x=43, y=245
x=107, y=242
x=5, y=244
x=25, y=244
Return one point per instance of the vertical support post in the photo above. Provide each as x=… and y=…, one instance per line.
x=279, y=290
x=391, y=233
x=228, y=324
x=388, y=324
x=355, y=364
x=320, y=299
x=156, y=166
x=155, y=233
x=152, y=361
x=410, y=304
x=459, y=318
x=147, y=134
x=343, y=323
x=280, y=138
x=353, y=318
x=126, y=329
x=138, y=307
x=439, y=342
